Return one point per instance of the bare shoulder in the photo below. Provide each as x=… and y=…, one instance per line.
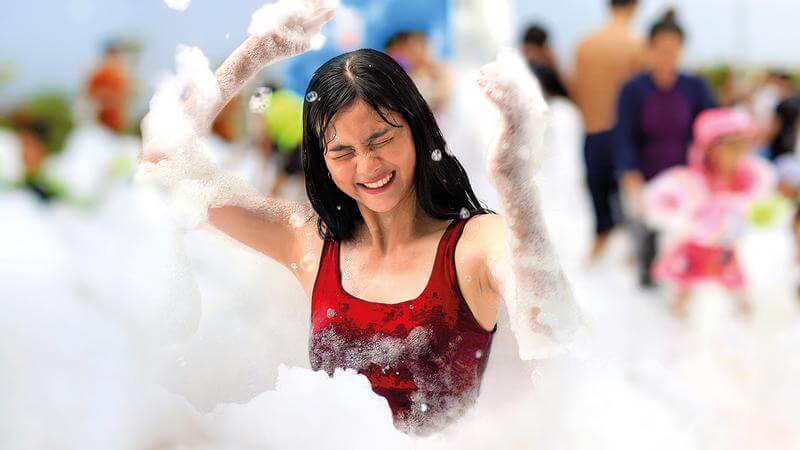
x=483, y=233
x=482, y=240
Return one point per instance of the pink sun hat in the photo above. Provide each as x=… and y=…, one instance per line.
x=715, y=123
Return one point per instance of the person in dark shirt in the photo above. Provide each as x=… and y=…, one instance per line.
x=787, y=116
x=655, y=113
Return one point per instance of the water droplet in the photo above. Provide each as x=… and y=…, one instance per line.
x=423, y=407
x=464, y=213
x=227, y=35
x=297, y=220
x=312, y=96
x=478, y=354
x=397, y=372
x=468, y=278
x=330, y=313
x=317, y=42
x=294, y=266
x=338, y=207
x=436, y=155
x=259, y=102
x=385, y=369
x=307, y=262
x=410, y=306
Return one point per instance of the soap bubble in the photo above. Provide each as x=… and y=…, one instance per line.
x=312, y=96
x=436, y=155
x=308, y=262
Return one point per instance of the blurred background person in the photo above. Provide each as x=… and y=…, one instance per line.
x=543, y=63
x=32, y=134
x=787, y=120
x=604, y=60
x=654, y=125
x=788, y=168
x=775, y=87
x=109, y=88
x=434, y=81
x=702, y=207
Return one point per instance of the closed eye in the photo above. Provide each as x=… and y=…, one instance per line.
x=346, y=155
x=381, y=143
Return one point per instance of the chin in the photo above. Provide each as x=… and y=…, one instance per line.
x=381, y=206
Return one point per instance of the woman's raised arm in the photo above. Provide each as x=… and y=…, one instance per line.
x=181, y=114
x=537, y=293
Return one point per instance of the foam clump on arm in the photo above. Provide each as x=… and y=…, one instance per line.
x=536, y=291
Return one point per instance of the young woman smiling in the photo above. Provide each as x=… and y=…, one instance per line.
x=404, y=268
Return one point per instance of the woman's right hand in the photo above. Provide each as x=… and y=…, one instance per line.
x=291, y=23
x=277, y=31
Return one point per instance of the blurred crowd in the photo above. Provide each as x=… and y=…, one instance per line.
x=681, y=163
x=683, y=167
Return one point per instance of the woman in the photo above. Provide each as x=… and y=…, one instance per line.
x=394, y=250
x=654, y=123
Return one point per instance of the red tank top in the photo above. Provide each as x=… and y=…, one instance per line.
x=426, y=356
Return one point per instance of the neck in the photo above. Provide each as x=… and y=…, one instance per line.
x=383, y=232
x=622, y=16
x=665, y=80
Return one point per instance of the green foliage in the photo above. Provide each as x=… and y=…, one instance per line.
x=52, y=113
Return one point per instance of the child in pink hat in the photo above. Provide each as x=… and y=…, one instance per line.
x=702, y=207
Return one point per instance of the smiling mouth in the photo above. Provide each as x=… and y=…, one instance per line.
x=380, y=184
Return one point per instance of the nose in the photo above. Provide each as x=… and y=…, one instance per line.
x=369, y=164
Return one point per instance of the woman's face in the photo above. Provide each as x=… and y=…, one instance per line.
x=665, y=52
x=370, y=160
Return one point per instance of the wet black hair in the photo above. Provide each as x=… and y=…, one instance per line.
x=535, y=35
x=622, y=3
x=442, y=187
x=668, y=23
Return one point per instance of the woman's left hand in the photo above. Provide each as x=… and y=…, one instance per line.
x=510, y=85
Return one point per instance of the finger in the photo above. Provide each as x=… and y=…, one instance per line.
x=314, y=24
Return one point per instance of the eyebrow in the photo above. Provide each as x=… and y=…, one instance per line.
x=371, y=138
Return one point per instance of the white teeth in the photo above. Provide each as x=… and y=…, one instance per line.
x=380, y=183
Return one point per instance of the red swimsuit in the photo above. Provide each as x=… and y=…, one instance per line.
x=426, y=356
